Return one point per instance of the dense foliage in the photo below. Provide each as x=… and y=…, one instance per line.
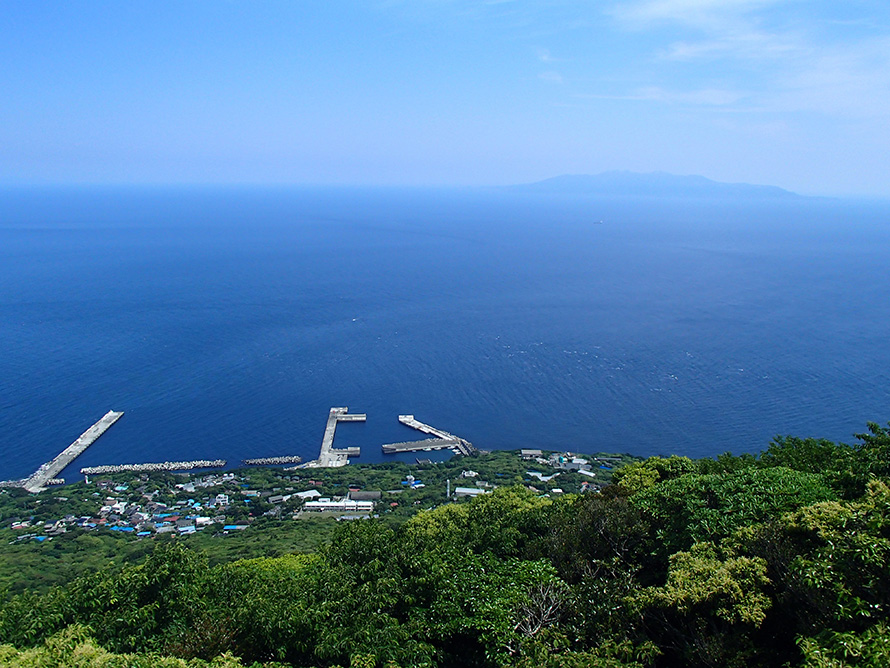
x=776, y=560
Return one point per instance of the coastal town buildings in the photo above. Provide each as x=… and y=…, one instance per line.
x=147, y=504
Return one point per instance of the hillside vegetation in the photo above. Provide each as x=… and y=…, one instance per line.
x=776, y=560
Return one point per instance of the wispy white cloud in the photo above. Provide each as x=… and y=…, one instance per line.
x=551, y=77
x=787, y=66
x=701, y=13
x=713, y=97
x=759, y=56
x=714, y=28
x=749, y=45
x=544, y=55
x=852, y=81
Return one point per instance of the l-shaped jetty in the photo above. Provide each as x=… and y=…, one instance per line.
x=443, y=440
x=329, y=457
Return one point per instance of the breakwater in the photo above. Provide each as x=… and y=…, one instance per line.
x=160, y=466
x=426, y=444
x=328, y=457
x=442, y=439
x=272, y=461
x=47, y=472
x=410, y=421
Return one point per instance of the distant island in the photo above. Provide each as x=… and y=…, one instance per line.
x=654, y=184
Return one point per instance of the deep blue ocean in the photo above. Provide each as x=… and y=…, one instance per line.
x=226, y=322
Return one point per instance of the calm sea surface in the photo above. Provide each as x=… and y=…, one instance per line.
x=226, y=323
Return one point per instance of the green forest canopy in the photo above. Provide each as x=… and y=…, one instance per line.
x=775, y=560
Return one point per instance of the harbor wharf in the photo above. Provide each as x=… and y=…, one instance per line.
x=329, y=457
x=159, y=466
x=39, y=480
x=426, y=444
x=272, y=461
x=354, y=417
x=459, y=445
x=410, y=421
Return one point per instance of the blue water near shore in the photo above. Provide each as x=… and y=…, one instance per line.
x=226, y=322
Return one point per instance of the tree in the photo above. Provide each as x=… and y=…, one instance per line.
x=696, y=508
x=502, y=523
x=258, y=608
x=132, y=610
x=807, y=454
x=869, y=649
x=708, y=608
x=874, y=449
x=843, y=559
x=596, y=529
x=645, y=474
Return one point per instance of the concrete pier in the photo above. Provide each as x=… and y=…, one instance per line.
x=410, y=421
x=354, y=417
x=455, y=443
x=38, y=480
x=329, y=457
x=428, y=444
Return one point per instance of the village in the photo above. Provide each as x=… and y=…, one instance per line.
x=150, y=504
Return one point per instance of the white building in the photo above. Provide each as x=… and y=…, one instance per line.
x=469, y=491
x=343, y=506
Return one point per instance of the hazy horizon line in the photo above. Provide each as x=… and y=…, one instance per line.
x=368, y=185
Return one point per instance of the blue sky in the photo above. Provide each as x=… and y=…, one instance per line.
x=446, y=92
